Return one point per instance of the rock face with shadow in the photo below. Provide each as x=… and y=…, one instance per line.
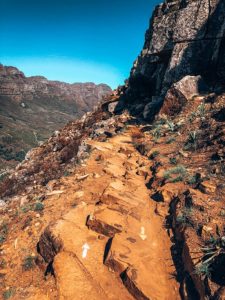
x=184, y=38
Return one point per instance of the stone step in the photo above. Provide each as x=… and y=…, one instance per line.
x=66, y=242
x=137, y=256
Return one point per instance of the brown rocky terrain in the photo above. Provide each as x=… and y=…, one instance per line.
x=32, y=108
x=128, y=201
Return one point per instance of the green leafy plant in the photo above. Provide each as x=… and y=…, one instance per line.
x=192, y=116
x=2, y=239
x=171, y=125
x=154, y=154
x=203, y=269
x=4, y=229
x=222, y=213
x=201, y=110
x=28, y=263
x=3, y=176
x=173, y=161
x=20, y=156
x=177, y=179
x=193, y=136
x=156, y=132
x=8, y=293
x=66, y=173
x=193, y=179
x=213, y=248
x=2, y=263
x=192, y=140
x=25, y=208
x=3, y=232
x=39, y=206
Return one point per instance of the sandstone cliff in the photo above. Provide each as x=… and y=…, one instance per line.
x=32, y=108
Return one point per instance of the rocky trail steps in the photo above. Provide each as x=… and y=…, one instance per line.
x=128, y=248
x=131, y=220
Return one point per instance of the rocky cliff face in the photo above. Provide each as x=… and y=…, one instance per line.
x=33, y=107
x=184, y=38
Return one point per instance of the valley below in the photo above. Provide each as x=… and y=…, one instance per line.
x=32, y=108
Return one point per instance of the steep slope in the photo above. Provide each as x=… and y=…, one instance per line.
x=115, y=206
x=32, y=108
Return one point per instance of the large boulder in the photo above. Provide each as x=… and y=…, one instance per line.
x=182, y=91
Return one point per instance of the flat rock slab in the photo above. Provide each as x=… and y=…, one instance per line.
x=139, y=264
x=91, y=276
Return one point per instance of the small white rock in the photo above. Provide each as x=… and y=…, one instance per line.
x=2, y=204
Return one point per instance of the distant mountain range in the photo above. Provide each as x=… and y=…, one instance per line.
x=32, y=108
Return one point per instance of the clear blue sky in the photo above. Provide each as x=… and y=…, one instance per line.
x=74, y=40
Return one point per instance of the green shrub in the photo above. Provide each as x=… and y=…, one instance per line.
x=3, y=176
x=201, y=110
x=154, y=154
x=180, y=170
x=66, y=173
x=2, y=263
x=214, y=247
x=25, y=208
x=8, y=293
x=28, y=263
x=177, y=179
x=8, y=154
x=2, y=239
x=20, y=156
x=156, y=132
x=203, y=269
x=38, y=206
x=171, y=125
x=3, y=232
x=173, y=161
x=192, y=116
x=191, y=141
x=193, y=179
x=7, y=139
x=184, y=216
x=222, y=213
x=4, y=229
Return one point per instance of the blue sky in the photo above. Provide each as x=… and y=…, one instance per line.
x=74, y=40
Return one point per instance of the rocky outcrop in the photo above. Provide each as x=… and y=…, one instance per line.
x=32, y=108
x=185, y=37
